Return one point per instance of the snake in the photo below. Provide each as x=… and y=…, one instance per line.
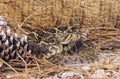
x=39, y=43
x=70, y=40
x=55, y=40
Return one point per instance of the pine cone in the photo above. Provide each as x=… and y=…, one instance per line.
x=11, y=44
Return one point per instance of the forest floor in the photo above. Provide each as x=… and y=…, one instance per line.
x=106, y=67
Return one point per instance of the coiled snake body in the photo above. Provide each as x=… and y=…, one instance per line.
x=56, y=40
x=42, y=44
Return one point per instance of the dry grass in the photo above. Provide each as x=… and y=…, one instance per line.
x=107, y=69
x=100, y=17
x=41, y=68
x=53, y=13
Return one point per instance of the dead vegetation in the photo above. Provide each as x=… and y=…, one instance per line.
x=100, y=17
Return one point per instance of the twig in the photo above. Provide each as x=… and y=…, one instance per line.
x=23, y=61
x=8, y=65
x=38, y=67
x=109, y=34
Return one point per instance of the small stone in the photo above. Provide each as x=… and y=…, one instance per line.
x=86, y=68
x=99, y=74
x=69, y=74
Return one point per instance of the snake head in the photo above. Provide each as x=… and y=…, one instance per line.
x=72, y=34
x=66, y=34
x=68, y=38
